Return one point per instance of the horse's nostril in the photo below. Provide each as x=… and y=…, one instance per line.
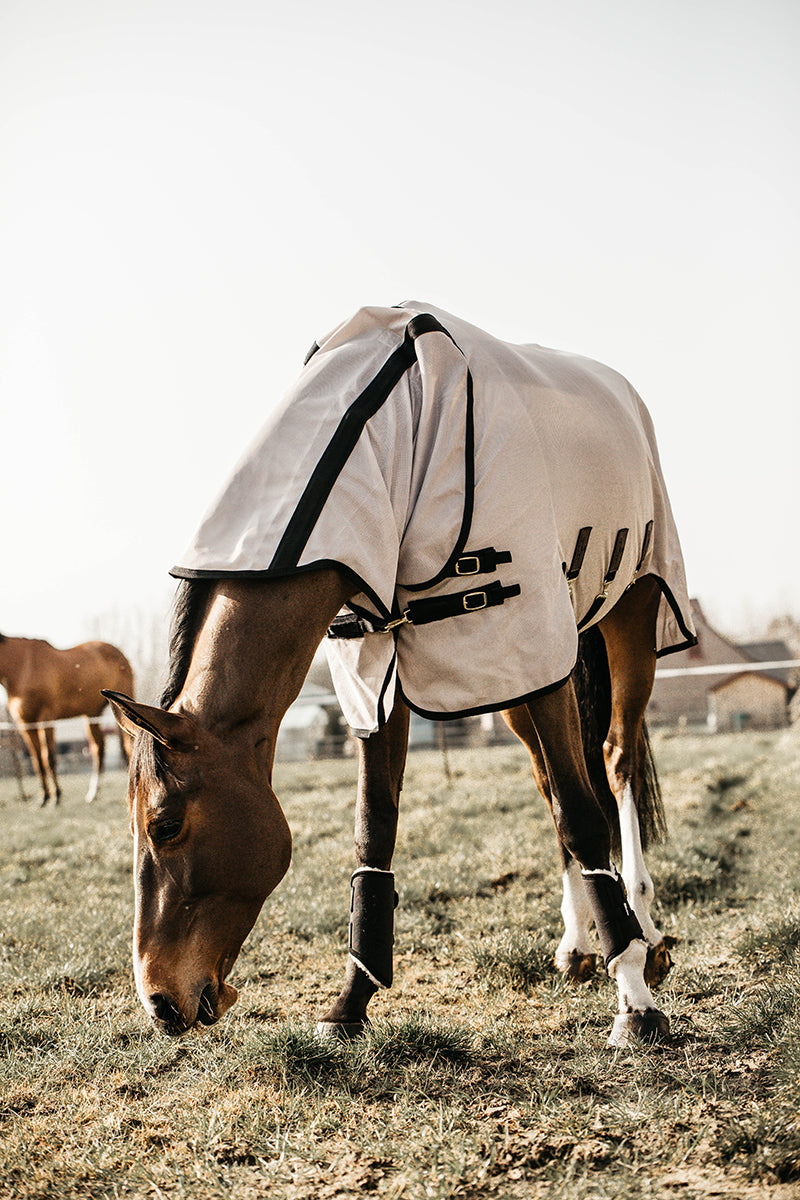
x=206, y=1012
x=165, y=1010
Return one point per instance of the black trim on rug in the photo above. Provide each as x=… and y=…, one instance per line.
x=345, y=438
x=448, y=570
x=691, y=639
x=482, y=708
x=319, y=564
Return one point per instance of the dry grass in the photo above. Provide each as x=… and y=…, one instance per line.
x=484, y=1074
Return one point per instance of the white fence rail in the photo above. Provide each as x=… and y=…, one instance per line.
x=739, y=668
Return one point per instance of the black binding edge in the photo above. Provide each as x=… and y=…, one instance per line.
x=448, y=570
x=340, y=447
x=691, y=638
x=477, y=709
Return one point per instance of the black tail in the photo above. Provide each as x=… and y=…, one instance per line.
x=593, y=688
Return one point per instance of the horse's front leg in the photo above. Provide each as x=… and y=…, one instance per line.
x=372, y=894
x=582, y=828
x=97, y=748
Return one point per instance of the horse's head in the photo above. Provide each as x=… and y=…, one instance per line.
x=210, y=844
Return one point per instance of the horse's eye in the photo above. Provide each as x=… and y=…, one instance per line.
x=165, y=831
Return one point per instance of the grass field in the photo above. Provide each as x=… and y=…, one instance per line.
x=484, y=1074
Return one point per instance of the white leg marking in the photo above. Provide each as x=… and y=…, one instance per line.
x=137, y=963
x=93, y=786
x=577, y=914
x=636, y=878
x=628, y=971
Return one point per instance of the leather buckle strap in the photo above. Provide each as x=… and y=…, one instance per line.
x=572, y=571
x=468, y=564
x=616, y=559
x=648, y=537
x=608, y=578
x=474, y=601
x=423, y=612
x=579, y=553
x=480, y=562
x=438, y=608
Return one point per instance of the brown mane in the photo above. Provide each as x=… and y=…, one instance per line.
x=189, y=606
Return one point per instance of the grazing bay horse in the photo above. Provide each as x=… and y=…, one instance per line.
x=415, y=456
x=46, y=685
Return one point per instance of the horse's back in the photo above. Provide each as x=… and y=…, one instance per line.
x=105, y=664
x=69, y=681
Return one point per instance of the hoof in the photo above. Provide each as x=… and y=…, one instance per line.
x=659, y=962
x=341, y=1031
x=636, y=1027
x=577, y=967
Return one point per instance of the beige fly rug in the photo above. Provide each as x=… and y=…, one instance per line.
x=490, y=500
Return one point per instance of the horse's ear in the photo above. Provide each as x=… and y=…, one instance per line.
x=173, y=730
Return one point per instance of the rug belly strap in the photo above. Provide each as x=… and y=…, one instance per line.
x=614, y=919
x=372, y=904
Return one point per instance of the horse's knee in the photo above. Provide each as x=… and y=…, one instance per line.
x=586, y=836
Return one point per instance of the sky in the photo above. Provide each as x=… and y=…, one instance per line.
x=192, y=192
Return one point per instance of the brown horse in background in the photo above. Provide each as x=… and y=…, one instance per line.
x=46, y=685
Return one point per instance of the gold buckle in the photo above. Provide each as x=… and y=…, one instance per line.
x=480, y=596
x=474, y=567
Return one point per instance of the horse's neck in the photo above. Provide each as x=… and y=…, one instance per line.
x=255, y=647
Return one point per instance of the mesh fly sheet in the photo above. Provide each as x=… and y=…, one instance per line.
x=490, y=498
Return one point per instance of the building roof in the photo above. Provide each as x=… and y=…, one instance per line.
x=769, y=652
x=685, y=680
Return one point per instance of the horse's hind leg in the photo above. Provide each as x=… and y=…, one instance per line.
x=31, y=738
x=369, y=963
x=629, y=635
x=575, y=955
x=97, y=749
x=47, y=742
x=582, y=827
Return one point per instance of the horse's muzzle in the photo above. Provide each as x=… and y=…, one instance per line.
x=213, y=1003
x=167, y=1017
